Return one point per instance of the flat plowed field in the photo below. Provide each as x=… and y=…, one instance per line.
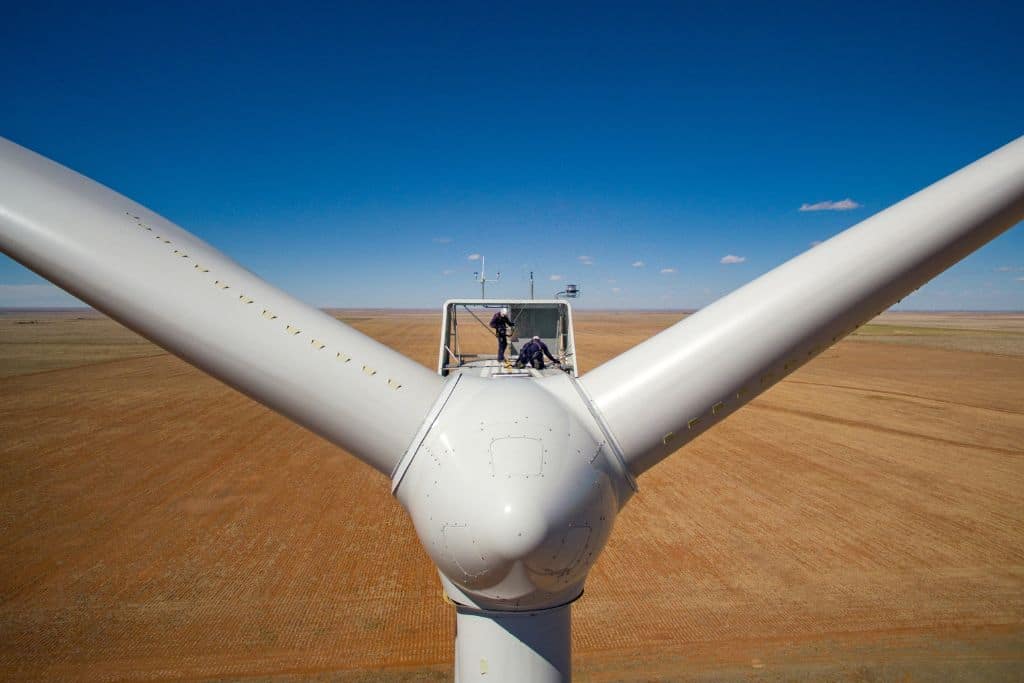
x=863, y=520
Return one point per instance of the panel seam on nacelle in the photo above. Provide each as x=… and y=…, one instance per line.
x=618, y=458
x=428, y=422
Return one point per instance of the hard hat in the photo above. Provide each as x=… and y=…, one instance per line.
x=536, y=338
x=504, y=311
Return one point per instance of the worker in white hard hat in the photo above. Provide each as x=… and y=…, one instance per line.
x=501, y=324
x=533, y=353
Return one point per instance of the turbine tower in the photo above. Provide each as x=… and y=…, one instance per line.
x=513, y=484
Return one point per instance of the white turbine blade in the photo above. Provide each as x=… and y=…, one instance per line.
x=665, y=391
x=183, y=294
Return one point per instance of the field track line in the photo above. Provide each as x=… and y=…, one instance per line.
x=821, y=417
x=83, y=365
x=901, y=394
x=924, y=347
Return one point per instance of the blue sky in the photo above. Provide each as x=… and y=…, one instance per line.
x=360, y=155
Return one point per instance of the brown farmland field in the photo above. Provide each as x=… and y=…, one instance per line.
x=863, y=520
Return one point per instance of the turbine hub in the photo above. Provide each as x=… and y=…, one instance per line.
x=513, y=492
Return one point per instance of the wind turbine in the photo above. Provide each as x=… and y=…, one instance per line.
x=512, y=484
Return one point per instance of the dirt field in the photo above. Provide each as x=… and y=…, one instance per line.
x=863, y=520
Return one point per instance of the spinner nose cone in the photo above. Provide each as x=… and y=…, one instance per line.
x=518, y=529
x=510, y=494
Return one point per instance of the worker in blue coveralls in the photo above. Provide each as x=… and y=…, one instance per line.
x=533, y=353
x=501, y=325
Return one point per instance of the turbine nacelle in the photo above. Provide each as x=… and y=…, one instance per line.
x=513, y=490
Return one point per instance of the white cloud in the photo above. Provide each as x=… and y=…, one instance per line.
x=1020, y=279
x=639, y=264
x=36, y=295
x=1010, y=269
x=667, y=271
x=442, y=240
x=730, y=259
x=616, y=290
x=612, y=281
x=473, y=257
x=586, y=260
x=447, y=271
x=555, y=278
x=842, y=205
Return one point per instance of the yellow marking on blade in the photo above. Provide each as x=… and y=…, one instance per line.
x=220, y=285
x=693, y=423
x=668, y=437
x=718, y=406
x=268, y=315
x=369, y=371
x=244, y=299
x=291, y=329
x=343, y=358
x=394, y=385
x=201, y=269
x=317, y=343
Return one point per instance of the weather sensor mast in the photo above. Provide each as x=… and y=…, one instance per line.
x=481, y=277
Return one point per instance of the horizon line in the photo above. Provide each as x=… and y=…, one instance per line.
x=79, y=309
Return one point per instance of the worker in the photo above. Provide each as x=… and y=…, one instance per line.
x=533, y=353
x=501, y=325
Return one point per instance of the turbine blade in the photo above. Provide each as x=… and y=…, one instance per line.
x=194, y=301
x=667, y=390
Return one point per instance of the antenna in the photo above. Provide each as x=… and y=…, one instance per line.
x=481, y=277
x=531, y=284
